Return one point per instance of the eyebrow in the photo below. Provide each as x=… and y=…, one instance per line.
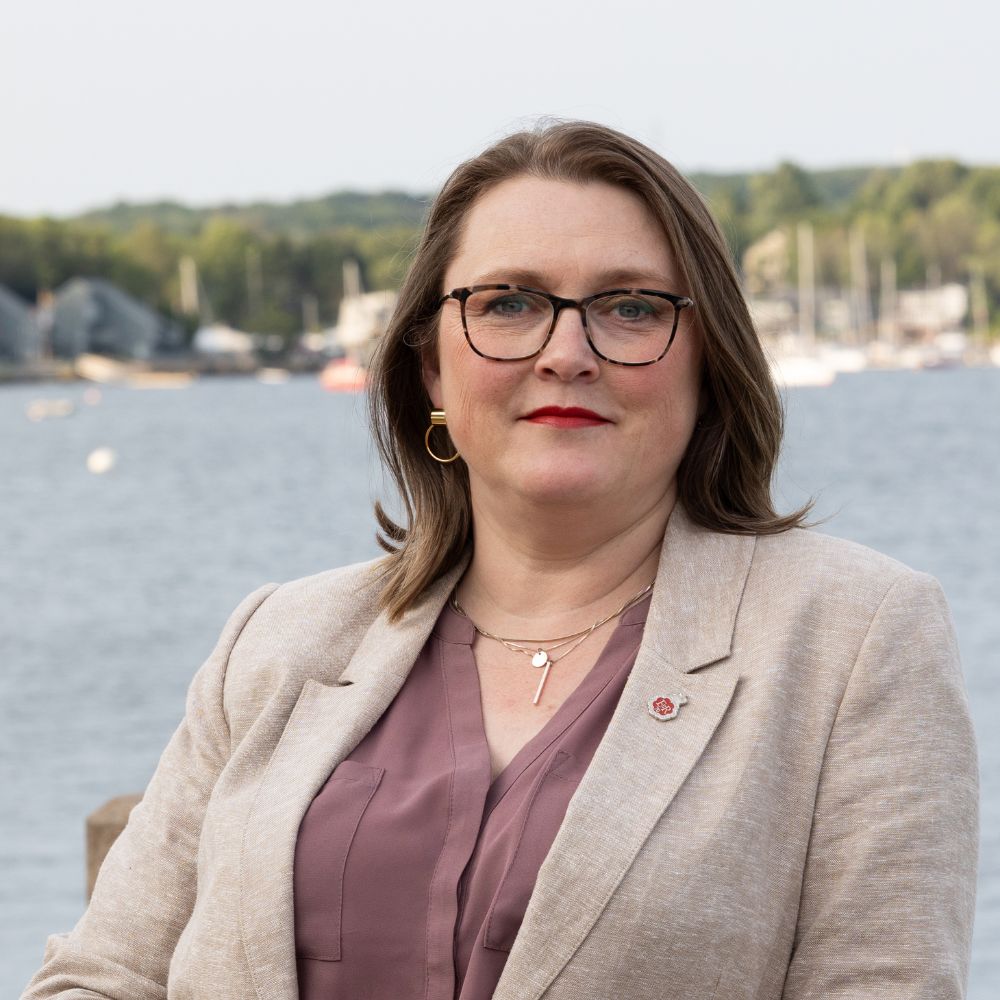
x=615, y=278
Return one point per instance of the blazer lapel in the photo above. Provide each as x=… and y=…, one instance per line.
x=326, y=724
x=641, y=761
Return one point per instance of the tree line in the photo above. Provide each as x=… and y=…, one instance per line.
x=939, y=220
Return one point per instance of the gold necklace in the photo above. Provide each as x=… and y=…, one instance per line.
x=535, y=648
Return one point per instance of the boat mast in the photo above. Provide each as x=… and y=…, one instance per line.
x=807, y=286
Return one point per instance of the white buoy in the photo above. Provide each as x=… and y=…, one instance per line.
x=101, y=460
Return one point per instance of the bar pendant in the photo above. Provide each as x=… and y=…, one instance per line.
x=541, y=683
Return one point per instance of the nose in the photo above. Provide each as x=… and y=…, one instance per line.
x=567, y=355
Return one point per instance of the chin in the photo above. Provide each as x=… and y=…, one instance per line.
x=556, y=480
x=575, y=487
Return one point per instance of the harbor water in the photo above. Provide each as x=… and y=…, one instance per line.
x=116, y=576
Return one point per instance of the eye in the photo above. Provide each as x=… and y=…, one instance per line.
x=511, y=305
x=511, y=308
x=632, y=308
x=625, y=309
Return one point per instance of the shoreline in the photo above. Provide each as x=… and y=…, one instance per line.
x=100, y=369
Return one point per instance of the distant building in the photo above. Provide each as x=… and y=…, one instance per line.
x=93, y=316
x=362, y=317
x=220, y=339
x=772, y=315
x=20, y=335
x=766, y=263
x=924, y=313
x=362, y=320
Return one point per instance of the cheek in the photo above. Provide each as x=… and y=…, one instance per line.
x=462, y=410
x=684, y=382
x=478, y=397
x=670, y=408
x=451, y=379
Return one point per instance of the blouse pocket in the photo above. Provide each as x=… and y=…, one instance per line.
x=324, y=841
x=543, y=815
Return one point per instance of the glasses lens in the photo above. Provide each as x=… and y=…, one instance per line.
x=506, y=323
x=631, y=328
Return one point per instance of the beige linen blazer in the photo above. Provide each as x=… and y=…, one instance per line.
x=806, y=827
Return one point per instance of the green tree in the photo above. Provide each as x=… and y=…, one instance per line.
x=784, y=195
x=222, y=251
x=922, y=184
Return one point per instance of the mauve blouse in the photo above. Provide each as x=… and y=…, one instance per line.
x=412, y=868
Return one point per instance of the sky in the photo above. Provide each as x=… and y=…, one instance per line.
x=209, y=101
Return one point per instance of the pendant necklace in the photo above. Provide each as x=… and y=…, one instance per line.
x=539, y=650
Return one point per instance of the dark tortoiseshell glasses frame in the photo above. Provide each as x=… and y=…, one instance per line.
x=559, y=303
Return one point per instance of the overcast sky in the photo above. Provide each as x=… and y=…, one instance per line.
x=207, y=101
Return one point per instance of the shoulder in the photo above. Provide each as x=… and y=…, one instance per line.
x=332, y=594
x=835, y=591
x=824, y=553
x=809, y=561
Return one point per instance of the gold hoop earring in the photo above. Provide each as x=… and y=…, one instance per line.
x=437, y=420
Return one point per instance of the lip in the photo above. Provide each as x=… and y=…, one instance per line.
x=566, y=416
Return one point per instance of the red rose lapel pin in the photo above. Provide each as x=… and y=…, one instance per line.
x=666, y=706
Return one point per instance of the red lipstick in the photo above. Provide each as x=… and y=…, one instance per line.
x=568, y=416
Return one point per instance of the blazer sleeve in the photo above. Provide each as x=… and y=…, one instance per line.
x=144, y=894
x=889, y=885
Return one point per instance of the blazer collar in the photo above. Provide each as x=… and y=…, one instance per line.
x=690, y=625
x=699, y=586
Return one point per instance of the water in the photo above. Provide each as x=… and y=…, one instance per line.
x=113, y=588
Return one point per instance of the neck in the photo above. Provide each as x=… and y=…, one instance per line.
x=550, y=571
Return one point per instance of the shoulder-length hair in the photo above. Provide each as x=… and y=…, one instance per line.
x=724, y=480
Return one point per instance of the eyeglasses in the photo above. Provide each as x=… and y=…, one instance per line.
x=624, y=326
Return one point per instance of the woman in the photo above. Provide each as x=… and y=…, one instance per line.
x=602, y=723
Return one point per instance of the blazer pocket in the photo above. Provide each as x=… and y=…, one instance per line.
x=543, y=815
x=324, y=841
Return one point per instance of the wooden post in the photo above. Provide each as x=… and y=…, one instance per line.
x=103, y=826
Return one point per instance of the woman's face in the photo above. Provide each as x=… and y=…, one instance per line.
x=572, y=240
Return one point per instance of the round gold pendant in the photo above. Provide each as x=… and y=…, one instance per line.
x=540, y=658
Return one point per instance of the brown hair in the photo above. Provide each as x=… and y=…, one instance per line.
x=724, y=480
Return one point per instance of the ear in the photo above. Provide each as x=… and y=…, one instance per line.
x=430, y=371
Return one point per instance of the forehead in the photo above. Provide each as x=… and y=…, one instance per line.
x=566, y=232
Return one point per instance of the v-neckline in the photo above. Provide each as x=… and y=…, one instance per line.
x=459, y=629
